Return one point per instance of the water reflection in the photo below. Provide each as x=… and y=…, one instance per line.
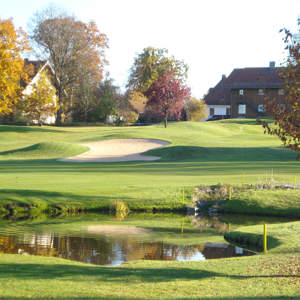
x=105, y=239
x=105, y=250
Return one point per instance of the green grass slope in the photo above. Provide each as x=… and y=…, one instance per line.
x=258, y=277
x=45, y=150
x=281, y=238
x=200, y=153
x=283, y=203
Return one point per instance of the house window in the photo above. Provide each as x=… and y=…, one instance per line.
x=282, y=106
x=261, y=108
x=211, y=111
x=261, y=92
x=280, y=91
x=241, y=92
x=242, y=109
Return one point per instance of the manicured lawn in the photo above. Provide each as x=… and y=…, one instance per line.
x=258, y=277
x=282, y=238
x=275, y=275
x=284, y=203
x=200, y=153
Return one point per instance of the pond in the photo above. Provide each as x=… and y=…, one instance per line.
x=106, y=239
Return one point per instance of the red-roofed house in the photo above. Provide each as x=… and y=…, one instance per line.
x=218, y=102
x=247, y=87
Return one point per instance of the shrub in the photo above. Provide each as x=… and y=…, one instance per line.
x=118, y=206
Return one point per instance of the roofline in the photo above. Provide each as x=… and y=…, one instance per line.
x=252, y=85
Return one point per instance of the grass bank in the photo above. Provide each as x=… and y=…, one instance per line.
x=260, y=277
x=279, y=202
x=268, y=276
x=281, y=238
x=199, y=154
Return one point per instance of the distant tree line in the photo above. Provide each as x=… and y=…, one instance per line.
x=155, y=89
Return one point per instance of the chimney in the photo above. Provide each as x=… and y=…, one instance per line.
x=223, y=76
x=272, y=64
x=26, y=60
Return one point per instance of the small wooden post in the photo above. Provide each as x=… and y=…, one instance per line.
x=183, y=196
x=229, y=227
x=243, y=178
x=181, y=225
x=229, y=193
x=265, y=238
x=294, y=182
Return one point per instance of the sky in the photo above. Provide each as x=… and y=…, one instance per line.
x=212, y=36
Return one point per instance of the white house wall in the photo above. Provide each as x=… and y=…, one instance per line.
x=219, y=110
x=28, y=90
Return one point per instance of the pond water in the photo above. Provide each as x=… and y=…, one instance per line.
x=105, y=239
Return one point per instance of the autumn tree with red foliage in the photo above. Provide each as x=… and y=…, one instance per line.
x=166, y=95
x=287, y=118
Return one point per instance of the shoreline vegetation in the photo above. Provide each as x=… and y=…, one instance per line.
x=205, y=153
x=248, y=199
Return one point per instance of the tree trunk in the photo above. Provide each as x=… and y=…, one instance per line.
x=85, y=114
x=58, y=116
x=59, y=111
x=166, y=121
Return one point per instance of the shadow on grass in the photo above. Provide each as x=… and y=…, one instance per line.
x=108, y=274
x=252, y=240
x=246, y=207
x=180, y=160
x=24, y=129
x=56, y=198
x=221, y=154
x=172, y=154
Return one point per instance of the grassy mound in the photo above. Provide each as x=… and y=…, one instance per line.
x=46, y=150
x=284, y=203
x=281, y=238
x=196, y=153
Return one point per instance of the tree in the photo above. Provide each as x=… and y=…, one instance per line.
x=41, y=101
x=106, y=100
x=166, y=95
x=70, y=45
x=12, y=43
x=196, y=109
x=137, y=102
x=149, y=65
x=138, y=99
x=84, y=98
x=287, y=117
x=130, y=105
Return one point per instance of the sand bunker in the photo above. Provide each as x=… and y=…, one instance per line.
x=118, y=230
x=118, y=150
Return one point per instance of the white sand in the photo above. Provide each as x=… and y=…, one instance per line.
x=118, y=150
x=118, y=230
